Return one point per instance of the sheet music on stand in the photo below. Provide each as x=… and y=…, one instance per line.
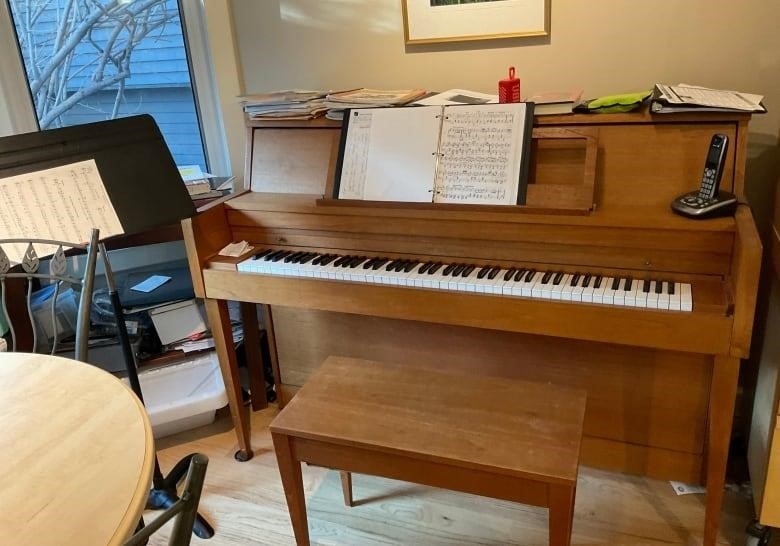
x=62, y=203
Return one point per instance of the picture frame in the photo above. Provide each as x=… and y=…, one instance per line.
x=437, y=21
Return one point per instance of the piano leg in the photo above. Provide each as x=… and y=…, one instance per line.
x=254, y=357
x=219, y=320
x=723, y=393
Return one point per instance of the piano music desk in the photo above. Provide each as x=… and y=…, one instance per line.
x=661, y=384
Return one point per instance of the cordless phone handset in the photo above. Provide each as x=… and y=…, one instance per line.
x=713, y=167
x=708, y=200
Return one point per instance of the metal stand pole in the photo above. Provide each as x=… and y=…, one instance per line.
x=163, y=493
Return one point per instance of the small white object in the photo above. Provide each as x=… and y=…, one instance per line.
x=235, y=249
x=3, y=345
x=681, y=488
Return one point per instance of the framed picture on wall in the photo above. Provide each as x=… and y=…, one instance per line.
x=433, y=21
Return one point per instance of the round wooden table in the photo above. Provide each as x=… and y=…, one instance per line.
x=76, y=453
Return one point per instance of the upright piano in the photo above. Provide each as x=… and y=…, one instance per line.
x=511, y=291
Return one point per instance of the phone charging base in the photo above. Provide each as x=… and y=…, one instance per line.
x=692, y=205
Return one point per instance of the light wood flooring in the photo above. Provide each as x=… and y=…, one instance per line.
x=245, y=503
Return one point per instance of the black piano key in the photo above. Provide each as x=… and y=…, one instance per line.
x=509, y=273
x=411, y=264
x=318, y=259
x=273, y=255
x=530, y=275
x=670, y=291
x=519, y=275
x=356, y=261
x=435, y=268
x=281, y=256
x=467, y=271
x=369, y=263
x=628, y=284
x=615, y=283
x=597, y=282
x=340, y=260
x=424, y=267
x=346, y=263
x=458, y=269
x=586, y=280
x=575, y=279
x=558, y=278
x=401, y=265
x=329, y=258
x=646, y=286
x=292, y=257
x=264, y=253
x=494, y=272
x=546, y=277
x=448, y=269
x=309, y=257
x=379, y=263
x=391, y=266
x=483, y=272
x=659, y=286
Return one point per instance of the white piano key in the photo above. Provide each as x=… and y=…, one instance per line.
x=686, y=300
x=674, y=299
x=652, y=296
x=567, y=290
x=663, y=297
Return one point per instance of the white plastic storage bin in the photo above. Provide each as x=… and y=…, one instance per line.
x=184, y=395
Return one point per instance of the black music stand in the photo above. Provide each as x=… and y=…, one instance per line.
x=146, y=191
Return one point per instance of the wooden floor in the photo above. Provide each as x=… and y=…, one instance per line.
x=245, y=503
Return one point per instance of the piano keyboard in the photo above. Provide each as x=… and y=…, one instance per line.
x=462, y=277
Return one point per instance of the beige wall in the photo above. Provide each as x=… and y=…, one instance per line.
x=603, y=47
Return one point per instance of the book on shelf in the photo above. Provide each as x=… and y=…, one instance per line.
x=555, y=102
x=668, y=99
x=285, y=105
x=338, y=101
x=471, y=154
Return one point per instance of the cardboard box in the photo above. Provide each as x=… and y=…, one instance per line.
x=177, y=321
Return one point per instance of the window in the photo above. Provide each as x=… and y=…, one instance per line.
x=91, y=60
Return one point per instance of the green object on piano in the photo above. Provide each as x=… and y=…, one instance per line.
x=612, y=104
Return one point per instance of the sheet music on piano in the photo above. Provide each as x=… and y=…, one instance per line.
x=471, y=154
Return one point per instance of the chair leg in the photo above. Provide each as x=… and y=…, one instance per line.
x=346, y=487
x=182, y=528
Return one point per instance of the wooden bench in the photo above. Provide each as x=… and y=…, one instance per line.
x=495, y=437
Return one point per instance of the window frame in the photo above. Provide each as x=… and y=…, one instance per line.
x=17, y=113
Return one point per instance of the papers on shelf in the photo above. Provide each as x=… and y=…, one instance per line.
x=457, y=96
x=687, y=98
x=287, y=104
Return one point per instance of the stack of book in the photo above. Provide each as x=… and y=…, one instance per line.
x=337, y=102
x=290, y=104
x=555, y=102
x=669, y=99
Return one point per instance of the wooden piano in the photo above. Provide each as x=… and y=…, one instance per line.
x=661, y=382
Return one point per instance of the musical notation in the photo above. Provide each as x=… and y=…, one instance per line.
x=456, y=154
x=62, y=203
x=479, y=156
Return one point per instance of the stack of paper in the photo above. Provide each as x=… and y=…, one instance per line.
x=289, y=104
x=693, y=98
x=195, y=180
x=337, y=102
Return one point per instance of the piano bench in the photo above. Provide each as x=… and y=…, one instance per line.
x=494, y=437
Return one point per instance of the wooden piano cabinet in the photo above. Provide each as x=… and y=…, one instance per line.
x=661, y=384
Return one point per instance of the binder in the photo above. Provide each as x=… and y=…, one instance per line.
x=469, y=154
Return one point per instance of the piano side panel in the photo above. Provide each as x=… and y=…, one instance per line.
x=636, y=397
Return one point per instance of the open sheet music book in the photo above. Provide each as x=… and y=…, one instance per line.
x=471, y=154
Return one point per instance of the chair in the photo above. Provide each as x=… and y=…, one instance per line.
x=23, y=278
x=27, y=327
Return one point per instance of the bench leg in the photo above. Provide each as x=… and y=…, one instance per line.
x=346, y=487
x=292, y=481
x=561, y=507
